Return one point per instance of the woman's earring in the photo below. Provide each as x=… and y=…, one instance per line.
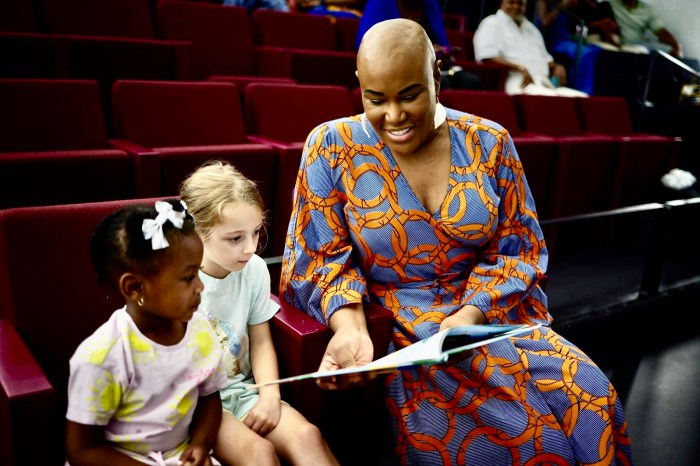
x=440, y=115
x=140, y=301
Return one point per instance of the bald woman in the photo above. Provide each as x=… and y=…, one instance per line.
x=427, y=212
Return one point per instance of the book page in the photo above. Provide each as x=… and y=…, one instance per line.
x=432, y=350
x=424, y=351
x=467, y=337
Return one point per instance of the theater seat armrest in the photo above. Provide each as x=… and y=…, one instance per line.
x=183, y=61
x=380, y=323
x=300, y=339
x=146, y=167
x=20, y=374
x=275, y=143
x=132, y=147
x=27, y=403
x=272, y=61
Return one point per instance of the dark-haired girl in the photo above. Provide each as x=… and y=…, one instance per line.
x=144, y=387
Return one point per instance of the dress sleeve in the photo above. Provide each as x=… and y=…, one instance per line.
x=319, y=271
x=515, y=259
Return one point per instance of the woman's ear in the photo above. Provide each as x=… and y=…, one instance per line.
x=437, y=76
x=131, y=286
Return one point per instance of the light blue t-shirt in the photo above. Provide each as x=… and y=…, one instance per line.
x=231, y=304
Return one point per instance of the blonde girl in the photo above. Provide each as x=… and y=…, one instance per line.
x=257, y=428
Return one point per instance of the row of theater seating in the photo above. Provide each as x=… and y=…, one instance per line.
x=580, y=155
x=195, y=40
x=139, y=19
x=54, y=148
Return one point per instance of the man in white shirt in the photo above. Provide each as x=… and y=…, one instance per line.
x=510, y=39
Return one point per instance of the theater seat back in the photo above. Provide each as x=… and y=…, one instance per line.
x=289, y=112
x=166, y=114
x=50, y=114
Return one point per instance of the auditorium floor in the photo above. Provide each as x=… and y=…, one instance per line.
x=652, y=357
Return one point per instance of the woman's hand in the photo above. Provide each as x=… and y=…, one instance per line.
x=350, y=346
x=468, y=315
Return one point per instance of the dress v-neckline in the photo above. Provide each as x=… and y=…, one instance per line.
x=394, y=165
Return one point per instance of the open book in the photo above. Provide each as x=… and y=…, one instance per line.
x=436, y=349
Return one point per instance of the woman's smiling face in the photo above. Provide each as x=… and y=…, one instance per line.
x=399, y=82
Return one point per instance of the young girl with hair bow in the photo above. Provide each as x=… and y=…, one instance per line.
x=144, y=387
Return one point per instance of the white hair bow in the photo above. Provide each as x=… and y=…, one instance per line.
x=153, y=228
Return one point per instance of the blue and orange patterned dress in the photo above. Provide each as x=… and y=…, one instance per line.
x=359, y=232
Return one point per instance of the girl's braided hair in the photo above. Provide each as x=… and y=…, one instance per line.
x=118, y=244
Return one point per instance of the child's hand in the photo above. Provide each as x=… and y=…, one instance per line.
x=195, y=455
x=264, y=416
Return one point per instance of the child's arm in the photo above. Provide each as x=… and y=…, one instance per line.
x=204, y=429
x=265, y=415
x=85, y=446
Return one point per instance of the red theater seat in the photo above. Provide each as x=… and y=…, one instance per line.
x=43, y=320
x=586, y=177
x=356, y=96
x=222, y=39
x=287, y=113
x=322, y=67
x=301, y=342
x=25, y=55
x=243, y=81
x=118, y=18
x=493, y=76
x=346, y=33
x=308, y=45
x=18, y=16
x=464, y=40
x=54, y=147
x=283, y=116
x=108, y=59
x=293, y=30
x=185, y=124
x=644, y=157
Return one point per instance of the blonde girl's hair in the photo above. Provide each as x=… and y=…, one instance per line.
x=211, y=188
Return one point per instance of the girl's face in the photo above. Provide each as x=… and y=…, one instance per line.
x=234, y=241
x=399, y=102
x=174, y=291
